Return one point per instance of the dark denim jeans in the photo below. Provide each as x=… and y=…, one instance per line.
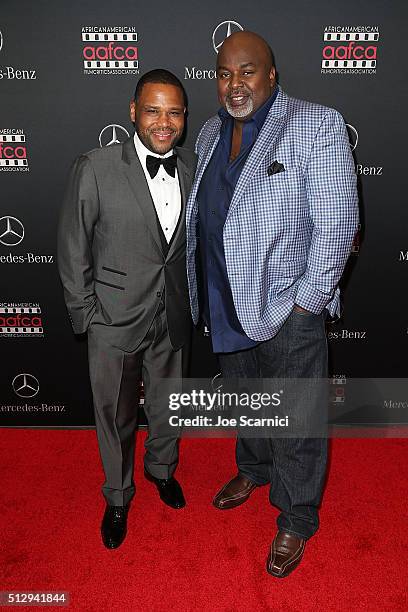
x=294, y=467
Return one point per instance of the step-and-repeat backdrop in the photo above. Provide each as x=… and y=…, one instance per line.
x=67, y=72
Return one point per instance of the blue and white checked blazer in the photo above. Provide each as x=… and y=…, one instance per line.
x=287, y=236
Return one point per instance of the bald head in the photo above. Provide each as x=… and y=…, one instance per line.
x=250, y=41
x=245, y=74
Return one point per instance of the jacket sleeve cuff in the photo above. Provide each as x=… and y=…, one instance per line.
x=310, y=298
x=80, y=318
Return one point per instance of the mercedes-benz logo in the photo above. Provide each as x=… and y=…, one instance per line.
x=1, y=40
x=222, y=31
x=25, y=385
x=11, y=231
x=353, y=135
x=215, y=382
x=112, y=134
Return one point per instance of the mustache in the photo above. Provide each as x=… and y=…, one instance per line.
x=169, y=129
x=239, y=92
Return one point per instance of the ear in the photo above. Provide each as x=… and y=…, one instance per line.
x=272, y=76
x=132, y=109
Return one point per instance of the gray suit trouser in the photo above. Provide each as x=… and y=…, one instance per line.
x=115, y=377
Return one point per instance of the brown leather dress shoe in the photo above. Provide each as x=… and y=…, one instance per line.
x=285, y=554
x=234, y=493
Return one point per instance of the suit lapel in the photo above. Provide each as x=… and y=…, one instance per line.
x=136, y=177
x=271, y=129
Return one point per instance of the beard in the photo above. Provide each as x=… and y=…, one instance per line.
x=238, y=112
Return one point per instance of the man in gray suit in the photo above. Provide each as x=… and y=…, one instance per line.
x=121, y=257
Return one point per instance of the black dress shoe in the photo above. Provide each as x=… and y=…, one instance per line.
x=114, y=525
x=169, y=490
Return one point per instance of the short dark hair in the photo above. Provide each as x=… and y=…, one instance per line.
x=159, y=75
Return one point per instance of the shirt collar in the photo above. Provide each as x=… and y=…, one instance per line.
x=142, y=151
x=259, y=117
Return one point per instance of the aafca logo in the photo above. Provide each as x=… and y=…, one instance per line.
x=338, y=389
x=350, y=50
x=112, y=134
x=22, y=320
x=13, y=151
x=25, y=385
x=110, y=50
x=220, y=33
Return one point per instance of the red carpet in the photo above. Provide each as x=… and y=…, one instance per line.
x=199, y=558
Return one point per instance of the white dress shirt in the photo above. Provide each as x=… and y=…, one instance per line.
x=164, y=189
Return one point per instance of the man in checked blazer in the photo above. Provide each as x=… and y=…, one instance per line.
x=121, y=257
x=270, y=223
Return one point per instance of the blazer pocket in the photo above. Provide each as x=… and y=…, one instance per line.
x=97, y=280
x=114, y=271
x=293, y=173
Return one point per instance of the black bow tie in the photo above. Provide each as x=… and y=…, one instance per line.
x=169, y=164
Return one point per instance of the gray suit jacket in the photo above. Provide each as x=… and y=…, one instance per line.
x=110, y=255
